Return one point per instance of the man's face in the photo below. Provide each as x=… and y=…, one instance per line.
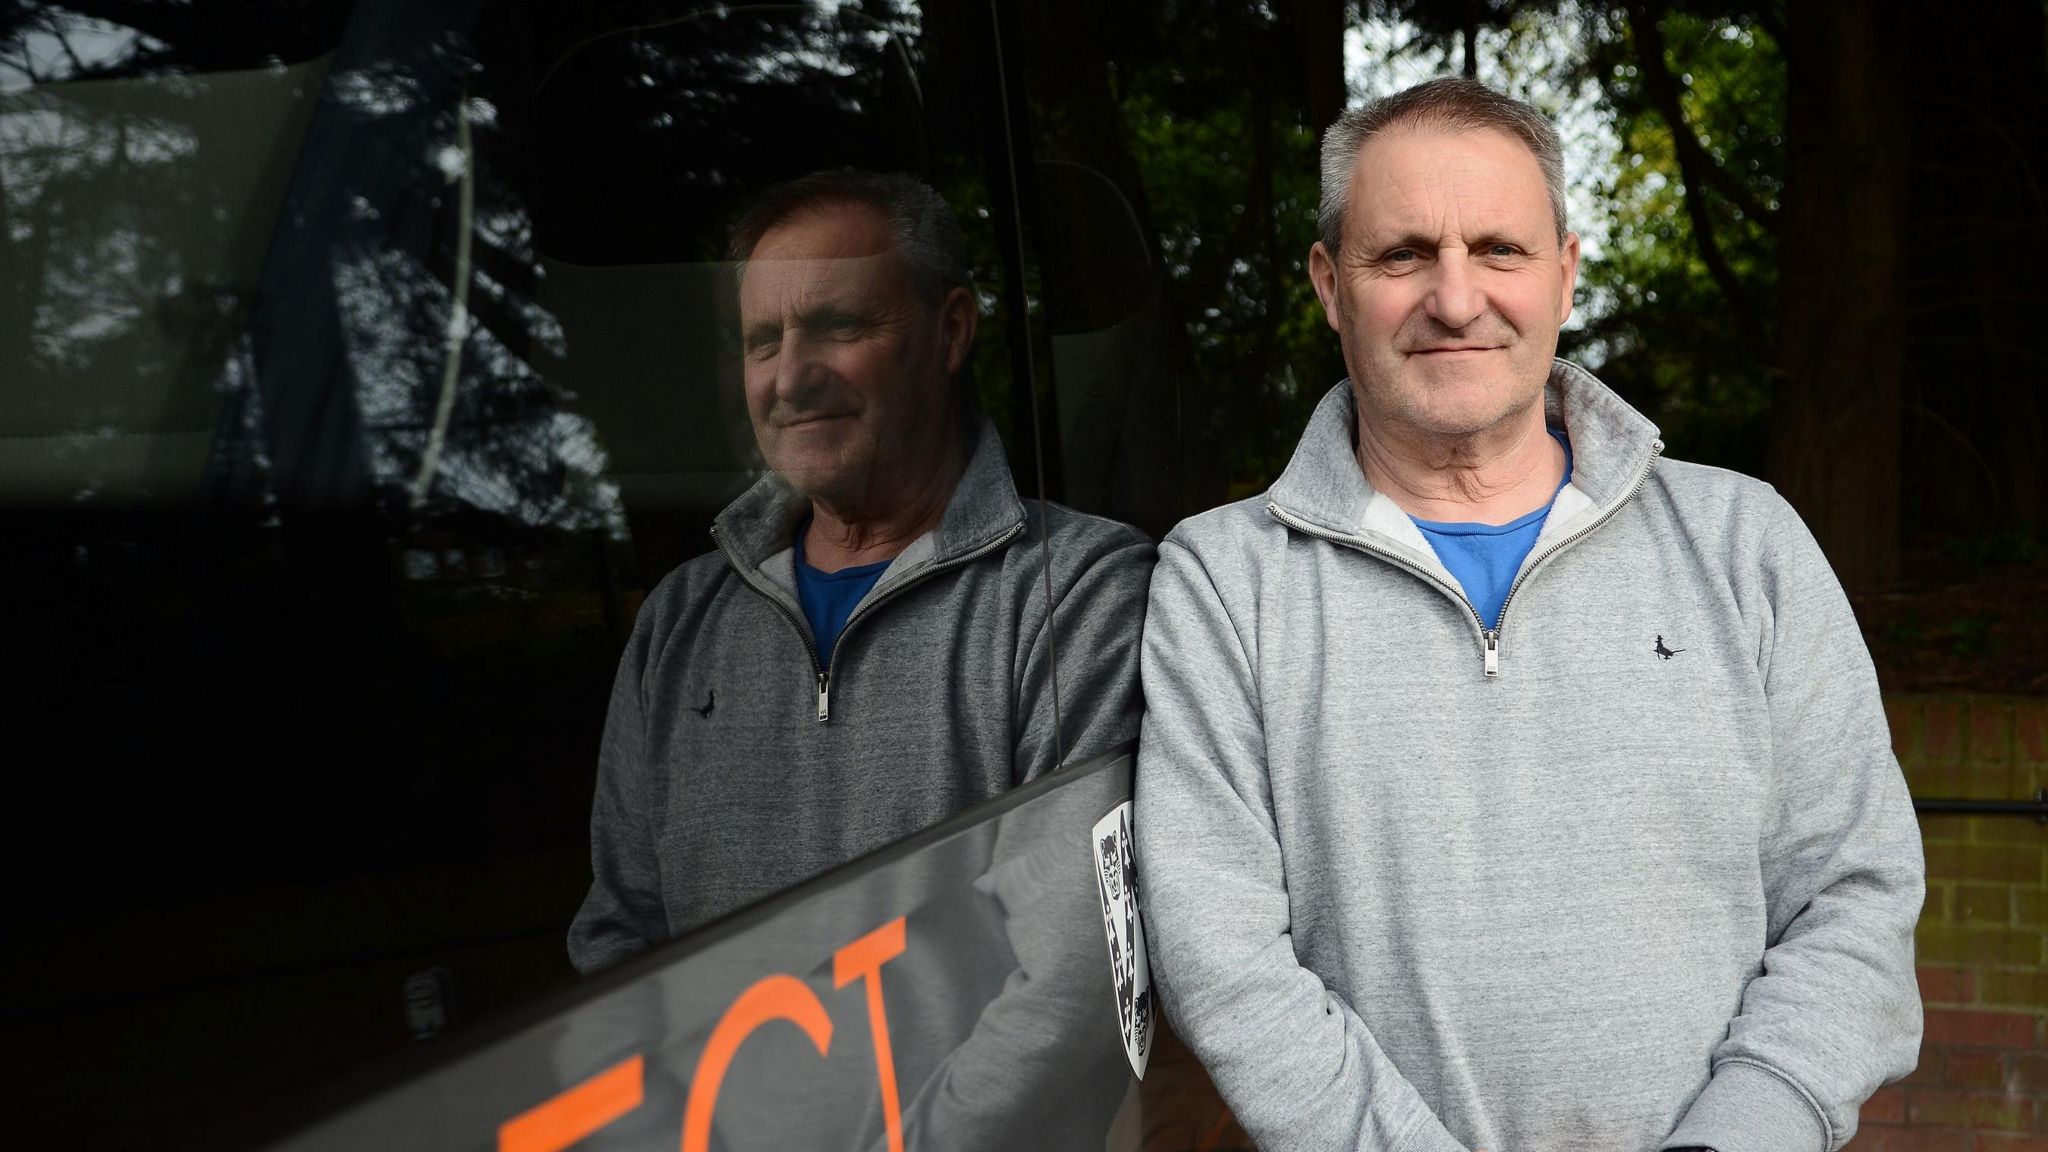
x=1451, y=282
x=848, y=374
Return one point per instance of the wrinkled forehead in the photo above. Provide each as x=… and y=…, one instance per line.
x=1419, y=180
x=788, y=284
x=828, y=255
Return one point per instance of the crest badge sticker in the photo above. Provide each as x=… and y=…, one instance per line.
x=1116, y=881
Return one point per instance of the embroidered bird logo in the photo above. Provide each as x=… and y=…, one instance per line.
x=710, y=702
x=1664, y=653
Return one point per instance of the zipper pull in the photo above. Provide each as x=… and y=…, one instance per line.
x=1489, y=640
x=825, y=696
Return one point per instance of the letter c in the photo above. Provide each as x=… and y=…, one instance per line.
x=777, y=997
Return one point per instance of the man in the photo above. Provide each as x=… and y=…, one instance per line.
x=1501, y=784
x=870, y=648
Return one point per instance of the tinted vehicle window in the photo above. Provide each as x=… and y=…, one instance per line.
x=369, y=369
x=980, y=985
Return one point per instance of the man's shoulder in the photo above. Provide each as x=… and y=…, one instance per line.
x=1074, y=528
x=1228, y=530
x=1710, y=481
x=695, y=577
x=685, y=593
x=1731, y=522
x=1232, y=546
x=1701, y=494
x=1079, y=543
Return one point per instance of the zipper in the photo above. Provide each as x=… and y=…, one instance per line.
x=803, y=630
x=1489, y=638
x=1529, y=569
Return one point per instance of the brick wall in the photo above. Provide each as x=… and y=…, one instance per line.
x=1982, y=1084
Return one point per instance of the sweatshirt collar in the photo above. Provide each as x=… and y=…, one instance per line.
x=1612, y=444
x=758, y=529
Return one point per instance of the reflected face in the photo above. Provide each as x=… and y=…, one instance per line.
x=848, y=375
x=1451, y=283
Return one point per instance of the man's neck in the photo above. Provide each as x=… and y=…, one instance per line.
x=1490, y=477
x=845, y=536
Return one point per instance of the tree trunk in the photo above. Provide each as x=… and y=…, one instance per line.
x=1975, y=442
x=1469, y=31
x=1319, y=36
x=1835, y=418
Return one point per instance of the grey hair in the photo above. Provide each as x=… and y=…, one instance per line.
x=1447, y=103
x=925, y=231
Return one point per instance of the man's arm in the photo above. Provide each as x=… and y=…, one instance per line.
x=1043, y=1066
x=1836, y=1011
x=623, y=913
x=1048, y=1034
x=1294, y=1062
x=1098, y=588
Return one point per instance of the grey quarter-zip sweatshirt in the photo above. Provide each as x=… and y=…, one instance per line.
x=734, y=765
x=1637, y=870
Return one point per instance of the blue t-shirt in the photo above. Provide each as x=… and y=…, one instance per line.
x=829, y=597
x=1485, y=557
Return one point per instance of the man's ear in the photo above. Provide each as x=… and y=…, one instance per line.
x=1568, y=253
x=1322, y=272
x=958, y=314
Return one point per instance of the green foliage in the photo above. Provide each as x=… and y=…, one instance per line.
x=2021, y=545
x=1664, y=332
x=1692, y=349
x=1204, y=127
x=1261, y=353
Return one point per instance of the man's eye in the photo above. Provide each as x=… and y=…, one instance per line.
x=1400, y=256
x=1503, y=250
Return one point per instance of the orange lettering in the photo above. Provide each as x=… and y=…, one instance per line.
x=570, y=1116
x=863, y=959
x=777, y=997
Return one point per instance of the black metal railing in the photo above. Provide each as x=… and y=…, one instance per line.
x=1951, y=806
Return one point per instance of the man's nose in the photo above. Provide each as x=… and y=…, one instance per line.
x=1455, y=300
x=799, y=368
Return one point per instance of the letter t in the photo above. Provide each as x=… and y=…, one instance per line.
x=863, y=959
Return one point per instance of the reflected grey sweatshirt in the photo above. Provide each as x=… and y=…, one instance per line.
x=1651, y=884
x=732, y=767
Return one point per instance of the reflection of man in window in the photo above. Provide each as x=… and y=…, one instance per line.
x=869, y=649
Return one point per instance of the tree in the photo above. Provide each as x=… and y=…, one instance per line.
x=1977, y=118
x=1862, y=333
x=1835, y=419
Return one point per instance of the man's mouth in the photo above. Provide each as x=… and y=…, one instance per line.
x=814, y=418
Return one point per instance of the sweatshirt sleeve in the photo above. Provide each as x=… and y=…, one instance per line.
x=1098, y=590
x=623, y=912
x=1295, y=1064
x=1043, y=1066
x=1835, y=1012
